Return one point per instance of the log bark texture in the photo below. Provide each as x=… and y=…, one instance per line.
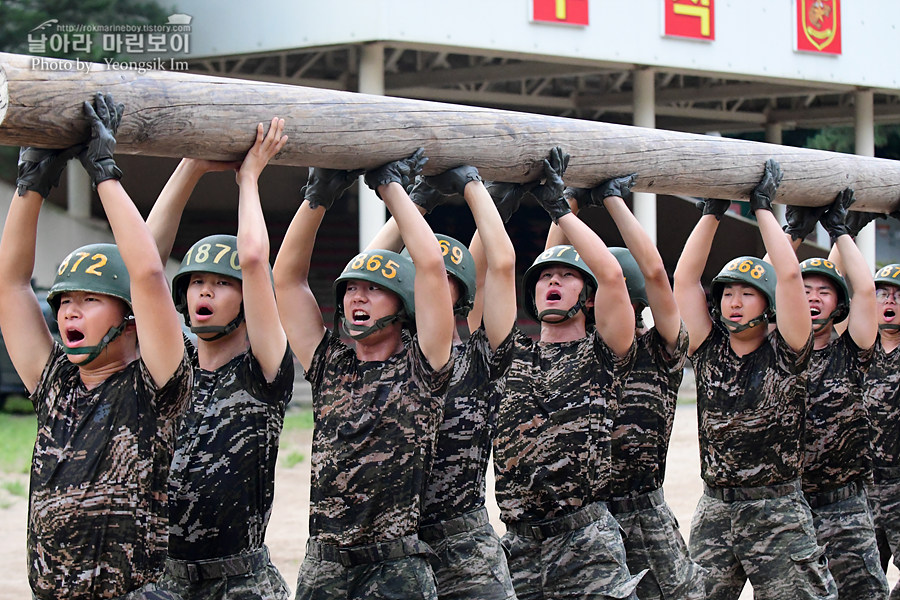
x=177, y=114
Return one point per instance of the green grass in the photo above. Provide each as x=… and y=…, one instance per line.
x=15, y=488
x=300, y=419
x=17, y=433
x=293, y=459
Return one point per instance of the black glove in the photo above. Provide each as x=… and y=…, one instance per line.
x=97, y=156
x=714, y=206
x=40, y=168
x=762, y=195
x=834, y=220
x=454, y=181
x=550, y=194
x=582, y=196
x=857, y=219
x=801, y=220
x=324, y=186
x=508, y=196
x=402, y=171
x=617, y=186
x=422, y=194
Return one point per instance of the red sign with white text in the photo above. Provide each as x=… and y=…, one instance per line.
x=819, y=26
x=569, y=12
x=693, y=19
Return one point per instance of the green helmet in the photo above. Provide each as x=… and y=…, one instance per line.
x=889, y=274
x=826, y=268
x=213, y=254
x=388, y=269
x=93, y=268
x=459, y=262
x=751, y=271
x=634, y=279
x=558, y=255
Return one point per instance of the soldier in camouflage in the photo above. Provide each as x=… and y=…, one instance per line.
x=378, y=403
x=752, y=521
x=106, y=398
x=472, y=563
x=882, y=398
x=837, y=462
x=222, y=483
x=552, y=447
x=643, y=424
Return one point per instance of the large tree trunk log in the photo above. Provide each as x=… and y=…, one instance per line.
x=177, y=114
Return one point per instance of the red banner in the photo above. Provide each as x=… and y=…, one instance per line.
x=693, y=19
x=819, y=26
x=569, y=12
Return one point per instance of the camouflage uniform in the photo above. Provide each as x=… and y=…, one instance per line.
x=552, y=459
x=222, y=482
x=837, y=464
x=640, y=442
x=882, y=398
x=454, y=519
x=97, y=518
x=376, y=424
x=752, y=521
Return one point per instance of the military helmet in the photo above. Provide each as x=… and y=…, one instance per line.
x=747, y=270
x=213, y=254
x=634, y=279
x=565, y=255
x=826, y=268
x=889, y=274
x=388, y=269
x=95, y=268
x=459, y=262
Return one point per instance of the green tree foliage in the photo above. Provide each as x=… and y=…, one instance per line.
x=843, y=139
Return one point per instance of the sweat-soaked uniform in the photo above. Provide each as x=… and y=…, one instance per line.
x=376, y=425
x=552, y=464
x=882, y=397
x=640, y=442
x=837, y=465
x=222, y=482
x=454, y=518
x=97, y=514
x=752, y=521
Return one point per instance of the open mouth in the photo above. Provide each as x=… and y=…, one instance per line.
x=359, y=316
x=735, y=317
x=553, y=296
x=814, y=312
x=889, y=314
x=203, y=312
x=74, y=337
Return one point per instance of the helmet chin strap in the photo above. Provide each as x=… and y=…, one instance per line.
x=220, y=330
x=739, y=327
x=819, y=324
x=889, y=326
x=364, y=332
x=94, y=351
x=565, y=314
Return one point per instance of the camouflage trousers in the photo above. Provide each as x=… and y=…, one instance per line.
x=393, y=569
x=579, y=555
x=844, y=526
x=884, y=501
x=246, y=576
x=763, y=534
x=151, y=591
x=653, y=542
x=472, y=561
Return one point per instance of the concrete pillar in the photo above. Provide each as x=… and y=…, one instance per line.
x=865, y=146
x=78, y=184
x=773, y=136
x=645, y=116
x=371, y=81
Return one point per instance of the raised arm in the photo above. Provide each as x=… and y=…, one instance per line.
x=792, y=309
x=25, y=332
x=862, y=322
x=434, y=308
x=264, y=330
x=687, y=286
x=158, y=323
x=165, y=216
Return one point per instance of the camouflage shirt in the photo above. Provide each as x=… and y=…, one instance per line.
x=456, y=483
x=97, y=517
x=376, y=424
x=837, y=444
x=751, y=410
x=552, y=445
x=643, y=424
x=223, y=473
x=883, y=401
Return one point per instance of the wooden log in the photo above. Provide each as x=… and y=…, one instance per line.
x=174, y=114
